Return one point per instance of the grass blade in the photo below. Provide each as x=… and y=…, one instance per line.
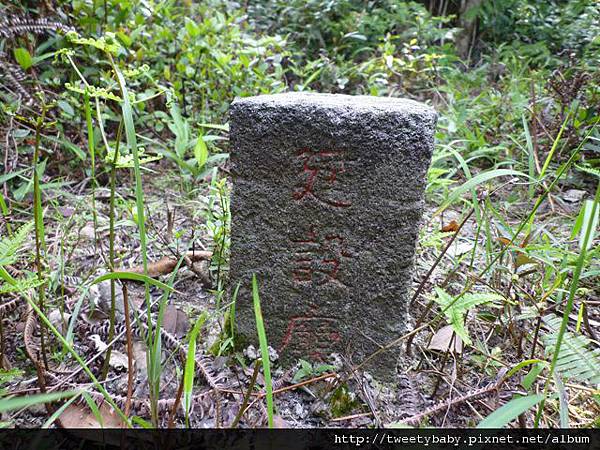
x=13, y=403
x=569, y=305
x=58, y=412
x=554, y=145
x=94, y=408
x=139, y=201
x=476, y=181
x=264, y=349
x=79, y=360
x=134, y=277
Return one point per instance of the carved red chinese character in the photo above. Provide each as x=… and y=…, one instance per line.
x=312, y=331
x=318, y=257
x=320, y=170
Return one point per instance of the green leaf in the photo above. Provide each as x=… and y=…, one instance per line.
x=304, y=371
x=554, y=145
x=190, y=364
x=201, y=152
x=510, y=411
x=7, y=277
x=585, y=220
x=19, y=285
x=141, y=422
x=66, y=107
x=94, y=408
x=532, y=375
x=456, y=309
x=23, y=190
x=522, y=364
x=124, y=38
x=69, y=145
x=191, y=27
x=23, y=57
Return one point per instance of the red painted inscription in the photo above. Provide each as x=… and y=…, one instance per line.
x=318, y=257
x=312, y=332
x=319, y=174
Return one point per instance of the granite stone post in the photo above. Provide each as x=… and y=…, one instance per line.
x=327, y=198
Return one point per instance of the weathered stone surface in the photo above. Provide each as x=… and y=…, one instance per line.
x=328, y=192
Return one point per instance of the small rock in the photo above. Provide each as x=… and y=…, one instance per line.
x=300, y=411
x=88, y=232
x=118, y=360
x=104, y=298
x=59, y=321
x=573, y=195
x=67, y=211
x=273, y=355
x=251, y=353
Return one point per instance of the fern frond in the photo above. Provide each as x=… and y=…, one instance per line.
x=455, y=312
x=17, y=25
x=589, y=169
x=21, y=285
x=10, y=245
x=576, y=359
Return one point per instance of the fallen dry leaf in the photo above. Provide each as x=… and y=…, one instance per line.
x=441, y=341
x=80, y=416
x=59, y=321
x=452, y=226
x=166, y=264
x=460, y=249
x=504, y=241
x=169, y=321
x=175, y=321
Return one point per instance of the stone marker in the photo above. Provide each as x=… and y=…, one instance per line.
x=327, y=197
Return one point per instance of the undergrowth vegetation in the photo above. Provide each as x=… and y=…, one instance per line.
x=114, y=167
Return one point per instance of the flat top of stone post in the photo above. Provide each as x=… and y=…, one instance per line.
x=341, y=102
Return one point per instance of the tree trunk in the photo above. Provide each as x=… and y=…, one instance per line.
x=467, y=21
